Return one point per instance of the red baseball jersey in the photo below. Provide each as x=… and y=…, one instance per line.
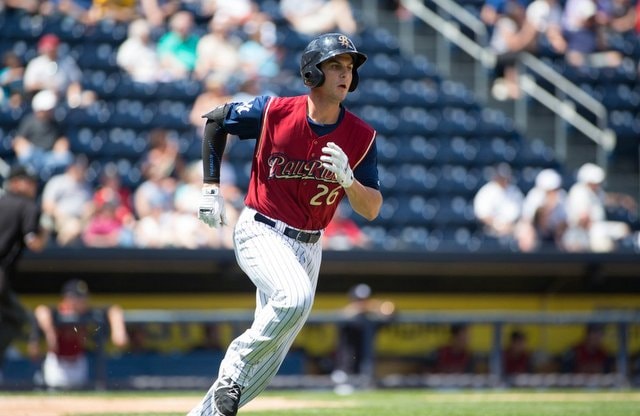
x=288, y=181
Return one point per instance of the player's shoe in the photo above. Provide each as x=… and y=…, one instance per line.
x=227, y=397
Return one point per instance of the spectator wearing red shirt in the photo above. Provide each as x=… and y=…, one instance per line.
x=516, y=358
x=589, y=356
x=343, y=233
x=455, y=357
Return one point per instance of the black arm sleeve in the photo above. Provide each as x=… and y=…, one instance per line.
x=214, y=143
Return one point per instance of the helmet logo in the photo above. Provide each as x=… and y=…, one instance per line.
x=344, y=41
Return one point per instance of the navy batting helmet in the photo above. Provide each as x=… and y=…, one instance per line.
x=322, y=48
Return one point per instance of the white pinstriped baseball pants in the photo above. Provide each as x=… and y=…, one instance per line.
x=285, y=273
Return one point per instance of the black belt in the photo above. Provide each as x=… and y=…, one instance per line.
x=303, y=236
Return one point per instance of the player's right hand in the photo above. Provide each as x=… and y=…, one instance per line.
x=211, y=210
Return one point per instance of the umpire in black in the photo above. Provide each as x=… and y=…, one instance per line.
x=19, y=228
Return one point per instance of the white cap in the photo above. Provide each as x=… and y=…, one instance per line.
x=538, y=14
x=590, y=173
x=45, y=100
x=548, y=180
x=588, y=9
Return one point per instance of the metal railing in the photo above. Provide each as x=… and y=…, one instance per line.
x=622, y=320
x=562, y=104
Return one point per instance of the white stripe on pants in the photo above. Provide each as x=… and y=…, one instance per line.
x=285, y=273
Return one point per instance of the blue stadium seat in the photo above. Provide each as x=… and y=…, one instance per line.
x=376, y=40
x=96, y=56
x=68, y=29
x=619, y=97
x=626, y=125
x=418, y=120
x=534, y=152
x=106, y=30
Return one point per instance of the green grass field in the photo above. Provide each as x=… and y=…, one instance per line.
x=371, y=403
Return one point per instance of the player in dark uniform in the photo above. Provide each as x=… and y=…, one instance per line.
x=310, y=152
x=19, y=228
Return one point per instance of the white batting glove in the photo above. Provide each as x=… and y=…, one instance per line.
x=336, y=161
x=211, y=210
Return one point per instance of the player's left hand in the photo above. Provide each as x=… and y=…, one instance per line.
x=211, y=210
x=336, y=161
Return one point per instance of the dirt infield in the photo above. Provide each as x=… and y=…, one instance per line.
x=72, y=405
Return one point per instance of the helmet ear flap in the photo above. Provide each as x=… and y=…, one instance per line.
x=354, y=81
x=313, y=77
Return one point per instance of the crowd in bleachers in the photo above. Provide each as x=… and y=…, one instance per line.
x=104, y=100
x=549, y=217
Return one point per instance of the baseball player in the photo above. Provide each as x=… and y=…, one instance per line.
x=310, y=152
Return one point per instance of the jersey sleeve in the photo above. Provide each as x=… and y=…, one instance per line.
x=245, y=119
x=367, y=171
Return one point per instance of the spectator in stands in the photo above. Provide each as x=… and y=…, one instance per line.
x=189, y=232
x=177, y=48
x=158, y=11
x=217, y=50
x=545, y=18
x=498, y=203
x=108, y=225
x=67, y=199
x=259, y=56
x=589, y=229
x=454, y=357
x=239, y=11
x=583, y=26
x=138, y=56
x=11, y=80
x=111, y=187
x=589, y=356
x=163, y=155
x=343, y=233
x=492, y=10
x=360, y=311
x=516, y=357
x=39, y=141
x=155, y=192
x=621, y=17
x=114, y=10
x=78, y=10
x=139, y=340
x=29, y=6
x=510, y=36
x=67, y=328
x=112, y=221
x=250, y=88
x=52, y=71
x=153, y=200
x=210, y=341
x=214, y=94
x=312, y=17
x=19, y=229
x=544, y=217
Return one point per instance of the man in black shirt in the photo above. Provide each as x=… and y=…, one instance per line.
x=39, y=141
x=19, y=228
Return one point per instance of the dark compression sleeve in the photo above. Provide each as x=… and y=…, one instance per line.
x=213, y=143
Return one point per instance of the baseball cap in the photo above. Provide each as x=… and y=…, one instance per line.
x=590, y=173
x=76, y=288
x=44, y=100
x=548, y=180
x=48, y=41
x=361, y=291
x=24, y=172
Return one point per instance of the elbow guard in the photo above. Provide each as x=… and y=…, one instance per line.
x=217, y=115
